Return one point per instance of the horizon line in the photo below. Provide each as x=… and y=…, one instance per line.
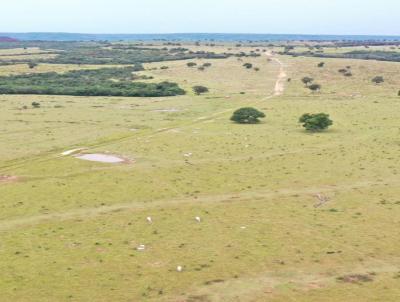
x=191, y=33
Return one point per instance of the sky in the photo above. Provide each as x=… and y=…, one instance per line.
x=359, y=17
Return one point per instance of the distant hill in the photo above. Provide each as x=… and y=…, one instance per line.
x=8, y=39
x=189, y=37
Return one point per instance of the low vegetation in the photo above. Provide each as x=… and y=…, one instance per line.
x=100, y=82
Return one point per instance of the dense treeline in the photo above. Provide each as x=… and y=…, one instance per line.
x=102, y=53
x=100, y=82
x=379, y=55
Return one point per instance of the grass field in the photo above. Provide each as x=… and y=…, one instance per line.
x=70, y=229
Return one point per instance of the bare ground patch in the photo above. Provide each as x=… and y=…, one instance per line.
x=104, y=158
x=8, y=179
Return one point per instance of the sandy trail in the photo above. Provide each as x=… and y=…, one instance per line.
x=280, y=82
x=6, y=225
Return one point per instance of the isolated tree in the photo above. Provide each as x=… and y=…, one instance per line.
x=32, y=65
x=315, y=122
x=248, y=65
x=191, y=64
x=200, y=89
x=314, y=87
x=247, y=115
x=307, y=80
x=322, y=64
x=378, y=80
x=35, y=105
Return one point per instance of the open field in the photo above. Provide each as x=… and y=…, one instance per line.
x=70, y=229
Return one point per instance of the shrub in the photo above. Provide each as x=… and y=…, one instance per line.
x=322, y=64
x=35, y=105
x=164, y=67
x=307, y=80
x=200, y=89
x=247, y=115
x=201, y=68
x=314, y=87
x=256, y=69
x=315, y=122
x=32, y=65
x=348, y=74
x=207, y=64
x=191, y=64
x=248, y=65
x=378, y=80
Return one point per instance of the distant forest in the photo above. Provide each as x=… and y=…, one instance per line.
x=100, y=82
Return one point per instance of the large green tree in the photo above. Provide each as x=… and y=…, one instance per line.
x=315, y=122
x=247, y=115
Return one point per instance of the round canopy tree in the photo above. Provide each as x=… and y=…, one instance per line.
x=315, y=122
x=247, y=115
x=314, y=87
x=378, y=80
x=200, y=89
x=307, y=80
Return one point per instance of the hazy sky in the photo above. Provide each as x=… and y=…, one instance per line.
x=222, y=16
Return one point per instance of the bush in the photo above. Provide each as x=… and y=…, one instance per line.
x=314, y=87
x=191, y=64
x=35, y=105
x=32, y=65
x=207, y=65
x=322, y=64
x=247, y=115
x=200, y=89
x=307, y=80
x=248, y=65
x=315, y=122
x=378, y=80
x=164, y=67
x=201, y=68
x=256, y=69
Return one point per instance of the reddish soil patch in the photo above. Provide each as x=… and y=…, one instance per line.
x=8, y=179
x=358, y=278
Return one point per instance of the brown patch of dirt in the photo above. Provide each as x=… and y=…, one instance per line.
x=357, y=278
x=200, y=298
x=8, y=179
